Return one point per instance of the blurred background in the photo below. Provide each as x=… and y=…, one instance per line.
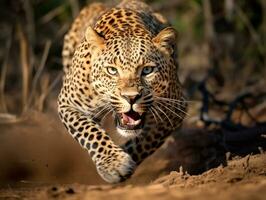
x=222, y=65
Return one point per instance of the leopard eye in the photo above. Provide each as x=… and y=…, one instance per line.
x=112, y=71
x=147, y=70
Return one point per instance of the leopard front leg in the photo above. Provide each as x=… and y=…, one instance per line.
x=113, y=164
x=141, y=147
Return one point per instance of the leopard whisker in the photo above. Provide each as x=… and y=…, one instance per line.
x=154, y=109
x=101, y=111
x=183, y=111
x=169, y=110
x=174, y=100
x=147, y=101
x=150, y=109
x=91, y=111
x=179, y=104
x=164, y=114
x=97, y=107
x=106, y=114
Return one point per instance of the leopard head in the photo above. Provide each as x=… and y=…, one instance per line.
x=132, y=71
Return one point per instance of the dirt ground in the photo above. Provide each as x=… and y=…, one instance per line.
x=39, y=160
x=242, y=179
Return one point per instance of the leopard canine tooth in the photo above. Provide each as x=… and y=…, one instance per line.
x=133, y=122
x=137, y=122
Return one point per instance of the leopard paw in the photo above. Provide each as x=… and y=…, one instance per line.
x=116, y=168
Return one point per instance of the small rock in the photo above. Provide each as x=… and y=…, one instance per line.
x=70, y=191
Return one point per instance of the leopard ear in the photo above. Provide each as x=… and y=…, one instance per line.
x=93, y=38
x=166, y=40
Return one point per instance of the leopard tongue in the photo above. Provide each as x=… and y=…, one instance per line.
x=129, y=121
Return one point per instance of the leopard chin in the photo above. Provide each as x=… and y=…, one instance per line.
x=129, y=133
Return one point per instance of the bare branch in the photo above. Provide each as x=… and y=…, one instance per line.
x=254, y=35
x=75, y=7
x=30, y=20
x=3, y=107
x=25, y=65
x=208, y=21
x=39, y=72
x=52, y=14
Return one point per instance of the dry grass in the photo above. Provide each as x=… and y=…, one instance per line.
x=35, y=89
x=3, y=107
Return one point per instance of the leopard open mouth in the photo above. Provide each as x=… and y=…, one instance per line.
x=130, y=120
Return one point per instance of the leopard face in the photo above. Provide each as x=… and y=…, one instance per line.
x=131, y=71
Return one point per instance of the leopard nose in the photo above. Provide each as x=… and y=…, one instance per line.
x=130, y=96
x=132, y=99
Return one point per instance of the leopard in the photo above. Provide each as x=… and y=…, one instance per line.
x=122, y=61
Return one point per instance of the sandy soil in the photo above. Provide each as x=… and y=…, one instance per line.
x=39, y=160
x=242, y=179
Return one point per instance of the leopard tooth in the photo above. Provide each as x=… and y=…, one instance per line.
x=136, y=122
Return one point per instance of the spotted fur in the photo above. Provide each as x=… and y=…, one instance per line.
x=128, y=37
